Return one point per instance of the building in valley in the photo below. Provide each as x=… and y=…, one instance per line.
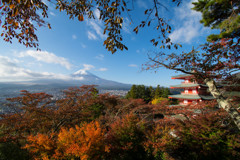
x=194, y=91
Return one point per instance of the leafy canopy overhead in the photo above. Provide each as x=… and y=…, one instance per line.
x=216, y=60
x=21, y=18
x=220, y=14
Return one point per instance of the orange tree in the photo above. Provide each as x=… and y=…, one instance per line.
x=85, y=142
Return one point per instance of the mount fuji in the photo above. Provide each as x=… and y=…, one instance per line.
x=79, y=78
x=86, y=78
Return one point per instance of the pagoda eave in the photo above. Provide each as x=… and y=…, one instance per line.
x=189, y=85
x=185, y=87
x=182, y=76
x=184, y=97
x=191, y=97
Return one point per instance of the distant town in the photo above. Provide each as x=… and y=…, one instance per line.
x=57, y=93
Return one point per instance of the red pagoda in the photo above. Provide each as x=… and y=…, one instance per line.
x=194, y=91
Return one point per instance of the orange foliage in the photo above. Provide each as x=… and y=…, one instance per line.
x=84, y=142
x=41, y=145
x=158, y=139
x=134, y=129
x=125, y=132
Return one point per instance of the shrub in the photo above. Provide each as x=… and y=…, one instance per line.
x=206, y=137
x=125, y=139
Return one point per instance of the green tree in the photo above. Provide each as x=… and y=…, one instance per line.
x=220, y=14
x=147, y=97
x=141, y=91
x=133, y=92
x=158, y=92
x=152, y=92
x=12, y=151
x=165, y=92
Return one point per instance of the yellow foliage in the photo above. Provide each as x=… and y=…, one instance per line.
x=159, y=100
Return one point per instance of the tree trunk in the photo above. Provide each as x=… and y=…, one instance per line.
x=223, y=102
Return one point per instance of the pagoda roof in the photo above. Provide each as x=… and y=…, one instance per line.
x=188, y=85
x=182, y=76
x=180, y=96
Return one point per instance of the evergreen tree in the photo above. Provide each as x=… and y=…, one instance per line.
x=132, y=93
x=165, y=92
x=158, y=92
x=147, y=97
x=141, y=91
x=220, y=14
x=152, y=92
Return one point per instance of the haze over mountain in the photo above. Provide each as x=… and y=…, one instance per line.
x=81, y=77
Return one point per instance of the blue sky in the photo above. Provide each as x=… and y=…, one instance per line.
x=72, y=45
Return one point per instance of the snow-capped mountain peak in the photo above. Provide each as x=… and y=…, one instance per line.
x=81, y=72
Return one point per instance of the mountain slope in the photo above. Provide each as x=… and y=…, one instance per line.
x=78, y=78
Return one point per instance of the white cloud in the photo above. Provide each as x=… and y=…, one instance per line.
x=51, y=6
x=133, y=65
x=45, y=2
x=53, y=14
x=186, y=33
x=100, y=57
x=74, y=36
x=79, y=78
x=97, y=13
x=102, y=69
x=91, y=35
x=187, y=25
x=126, y=25
x=86, y=67
x=95, y=25
x=10, y=71
x=46, y=57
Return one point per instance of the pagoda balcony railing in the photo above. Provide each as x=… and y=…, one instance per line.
x=184, y=103
x=188, y=83
x=192, y=103
x=189, y=93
